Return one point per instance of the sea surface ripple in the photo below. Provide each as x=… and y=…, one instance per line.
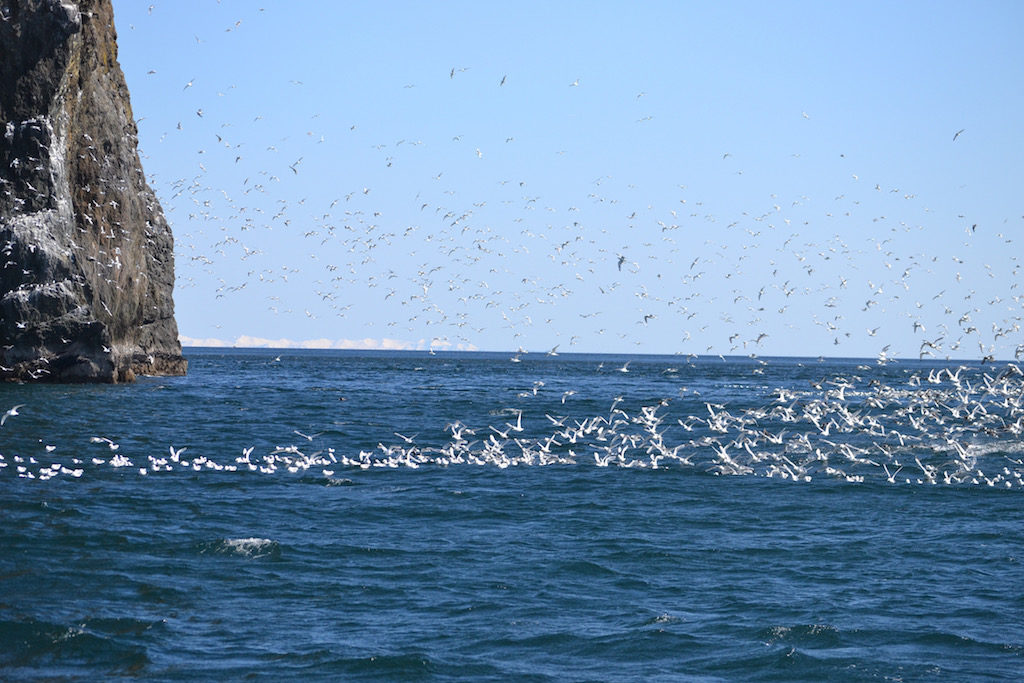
x=636, y=553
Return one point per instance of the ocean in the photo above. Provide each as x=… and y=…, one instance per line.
x=358, y=515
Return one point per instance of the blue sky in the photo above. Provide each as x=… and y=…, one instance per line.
x=769, y=178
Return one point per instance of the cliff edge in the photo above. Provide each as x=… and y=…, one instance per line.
x=86, y=256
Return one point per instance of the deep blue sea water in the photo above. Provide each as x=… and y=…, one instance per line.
x=405, y=516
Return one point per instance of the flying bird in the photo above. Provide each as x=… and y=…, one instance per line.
x=10, y=413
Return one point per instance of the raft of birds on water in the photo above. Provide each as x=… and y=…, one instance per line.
x=953, y=427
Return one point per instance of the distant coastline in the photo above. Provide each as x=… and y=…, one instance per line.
x=597, y=356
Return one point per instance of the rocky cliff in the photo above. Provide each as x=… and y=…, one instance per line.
x=86, y=256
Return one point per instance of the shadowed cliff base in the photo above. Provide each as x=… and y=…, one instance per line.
x=86, y=255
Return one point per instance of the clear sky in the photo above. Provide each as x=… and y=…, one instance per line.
x=780, y=178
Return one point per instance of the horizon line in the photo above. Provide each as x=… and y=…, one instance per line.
x=545, y=354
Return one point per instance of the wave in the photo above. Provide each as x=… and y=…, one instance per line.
x=252, y=547
x=109, y=644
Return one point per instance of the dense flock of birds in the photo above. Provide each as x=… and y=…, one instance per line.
x=482, y=245
x=952, y=426
x=446, y=239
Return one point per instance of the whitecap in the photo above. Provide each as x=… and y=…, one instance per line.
x=245, y=547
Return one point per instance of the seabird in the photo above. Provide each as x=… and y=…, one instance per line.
x=10, y=413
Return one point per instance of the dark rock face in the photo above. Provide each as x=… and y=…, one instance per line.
x=86, y=256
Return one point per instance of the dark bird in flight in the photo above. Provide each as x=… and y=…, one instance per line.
x=957, y=134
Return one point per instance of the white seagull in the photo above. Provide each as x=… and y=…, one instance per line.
x=10, y=413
